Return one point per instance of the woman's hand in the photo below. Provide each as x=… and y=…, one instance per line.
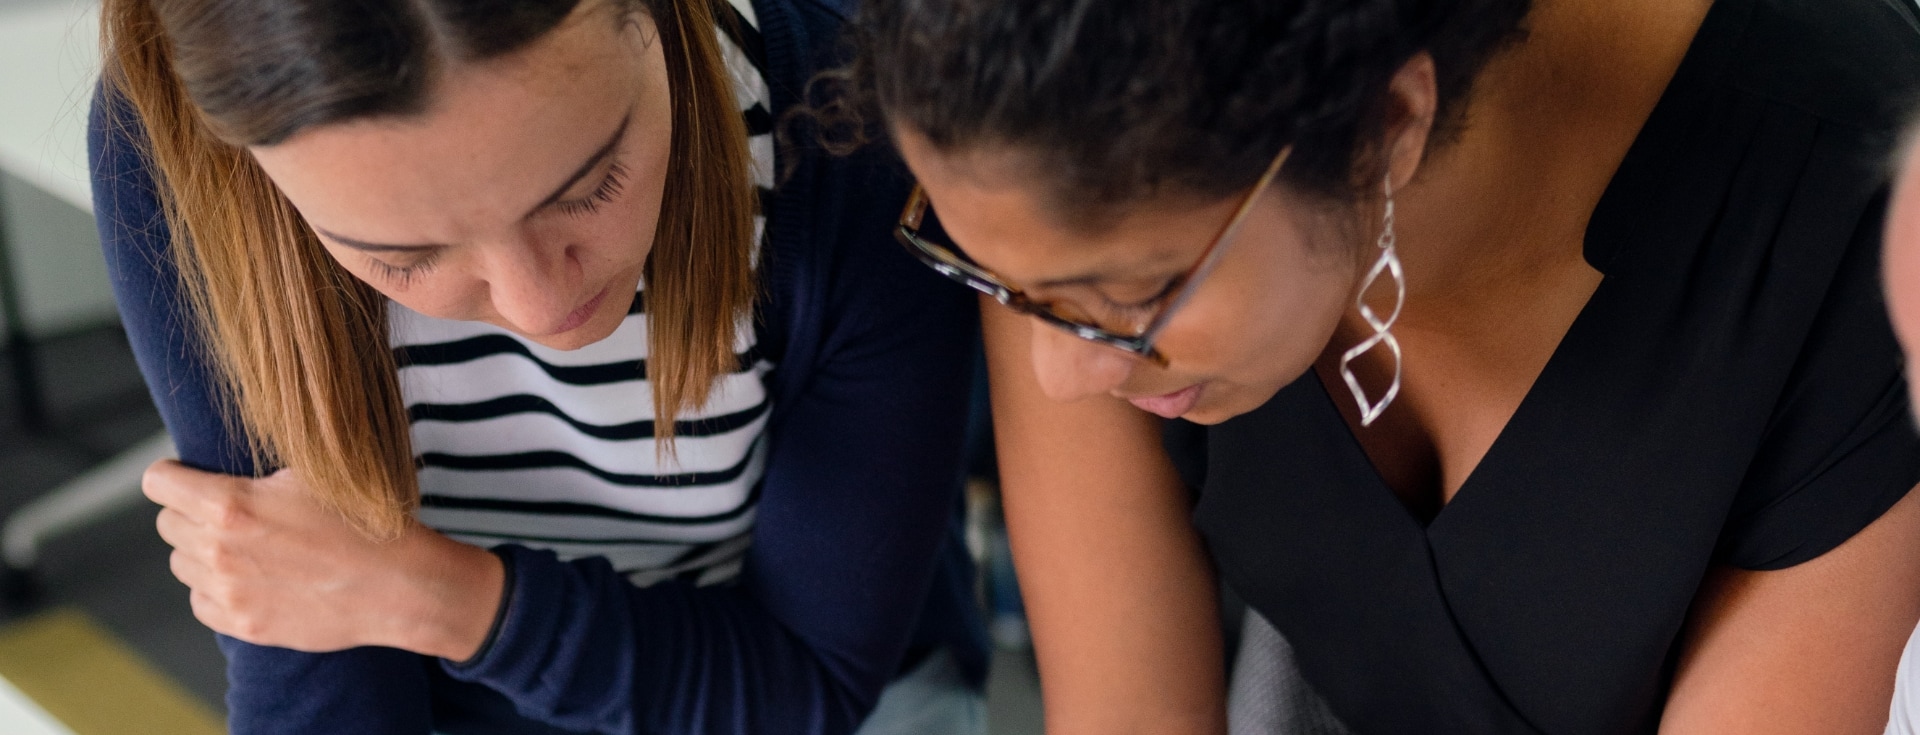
x=269, y=565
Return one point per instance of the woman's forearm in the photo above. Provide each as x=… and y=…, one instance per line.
x=1118, y=590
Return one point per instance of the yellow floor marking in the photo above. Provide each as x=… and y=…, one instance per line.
x=93, y=683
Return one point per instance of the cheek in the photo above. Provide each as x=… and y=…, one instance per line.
x=1259, y=324
x=617, y=238
x=621, y=234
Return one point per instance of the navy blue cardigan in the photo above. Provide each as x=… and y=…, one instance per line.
x=856, y=558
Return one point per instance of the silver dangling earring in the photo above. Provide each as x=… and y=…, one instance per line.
x=1388, y=263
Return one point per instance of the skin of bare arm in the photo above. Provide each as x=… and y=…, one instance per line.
x=1117, y=588
x=1808, y=649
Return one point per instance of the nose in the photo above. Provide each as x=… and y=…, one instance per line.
x=1070, y=368
x=532, y=285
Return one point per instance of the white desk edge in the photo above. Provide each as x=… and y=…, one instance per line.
x=50, y=50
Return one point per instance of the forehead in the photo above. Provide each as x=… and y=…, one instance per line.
x=493, y=132
x=994, y=208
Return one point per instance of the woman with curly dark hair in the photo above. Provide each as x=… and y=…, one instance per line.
x=1528, y=357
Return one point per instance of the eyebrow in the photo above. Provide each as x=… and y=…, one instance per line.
x=1091, y=279
x=1097, y=278
x=593, y=161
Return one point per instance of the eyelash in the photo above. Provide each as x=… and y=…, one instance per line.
x=609, y=189
x=1142, y=308
x=402, y=276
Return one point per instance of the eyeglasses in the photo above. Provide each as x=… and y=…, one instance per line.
x=1062, y=315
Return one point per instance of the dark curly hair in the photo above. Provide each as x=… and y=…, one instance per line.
x=1114, y=101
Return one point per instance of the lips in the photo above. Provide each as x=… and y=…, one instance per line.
x=580, y=316
x=1172, y=405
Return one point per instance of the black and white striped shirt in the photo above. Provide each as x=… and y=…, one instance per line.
x=549, y=449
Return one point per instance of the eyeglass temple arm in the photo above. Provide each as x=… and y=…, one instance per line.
x=916, y=210
x=1217, y=251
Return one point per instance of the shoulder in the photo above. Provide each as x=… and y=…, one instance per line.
x=126, y=196
x=812, y=24
x=1852, y=62
x=838, y=10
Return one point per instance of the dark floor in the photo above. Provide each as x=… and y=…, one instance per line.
x=117, y=570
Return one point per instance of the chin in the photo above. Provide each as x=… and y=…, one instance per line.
x=1211, y=412
x=1221, y=405
x=574, y=339
x=1208, y=415
x=600, y=327
x=562, y=342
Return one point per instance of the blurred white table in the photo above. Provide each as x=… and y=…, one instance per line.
x=46, y=64
x=20, y=716
x=49, y=58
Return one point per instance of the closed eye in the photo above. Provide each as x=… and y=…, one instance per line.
x=608, y=190
x=401, y=276
x=1140, y=307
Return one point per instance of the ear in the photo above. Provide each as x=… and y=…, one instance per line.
x=1414, y=100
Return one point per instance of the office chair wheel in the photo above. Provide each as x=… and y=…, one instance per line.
x=19, y=588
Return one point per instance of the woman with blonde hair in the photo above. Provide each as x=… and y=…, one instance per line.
x=511, y=395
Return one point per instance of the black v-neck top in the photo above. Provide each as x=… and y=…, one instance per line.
x=1732, y=394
